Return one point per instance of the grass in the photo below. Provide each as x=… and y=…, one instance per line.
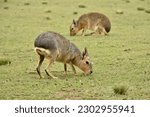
x=122, y=57
x=122, y=90
x=4, y=62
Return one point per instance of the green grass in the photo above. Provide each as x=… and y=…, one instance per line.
x=120, y=59
x=4, y=62
x=122, y=90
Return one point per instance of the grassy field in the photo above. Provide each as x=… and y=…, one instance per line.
x=121, y=59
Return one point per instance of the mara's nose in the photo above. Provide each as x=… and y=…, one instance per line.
x=91, y=72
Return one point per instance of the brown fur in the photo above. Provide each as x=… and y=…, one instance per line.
x=92, y=21
x=55, y=47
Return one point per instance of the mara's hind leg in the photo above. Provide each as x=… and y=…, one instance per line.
x=41, y=59
x=95, y=31
x=92, y=33
x=48, y=67
x=101, y=30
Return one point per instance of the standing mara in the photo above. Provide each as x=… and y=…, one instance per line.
x=55, y=47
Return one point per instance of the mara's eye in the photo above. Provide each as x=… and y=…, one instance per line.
x=87, y=62
x=71, y=28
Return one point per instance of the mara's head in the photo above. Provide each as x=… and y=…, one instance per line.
x=73, y=28
x=86, y=63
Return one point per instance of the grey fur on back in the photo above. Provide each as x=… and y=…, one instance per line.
x=56, y=42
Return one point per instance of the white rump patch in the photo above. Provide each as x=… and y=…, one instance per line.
x=42, y=51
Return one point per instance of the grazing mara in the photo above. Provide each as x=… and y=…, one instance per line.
x=97, y=22
x=55, y=47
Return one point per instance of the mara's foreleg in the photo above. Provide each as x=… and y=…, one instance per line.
x=73, y=68
x=65, y=68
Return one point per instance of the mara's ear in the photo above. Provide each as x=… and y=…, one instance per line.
x=85, y=52
x=74, y=22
